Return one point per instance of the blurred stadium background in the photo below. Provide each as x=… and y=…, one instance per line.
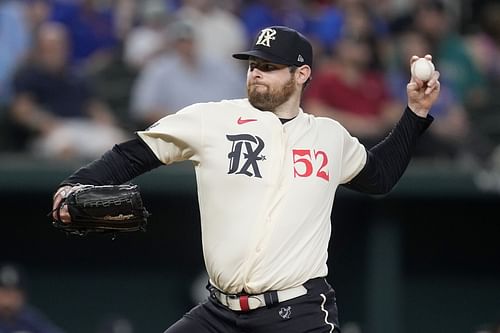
x=424, y=258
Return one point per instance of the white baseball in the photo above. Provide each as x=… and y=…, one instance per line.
x=422, y=69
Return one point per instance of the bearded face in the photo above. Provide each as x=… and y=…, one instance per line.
x=266, y=97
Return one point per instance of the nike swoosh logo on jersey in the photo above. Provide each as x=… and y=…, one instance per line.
x=242, y=121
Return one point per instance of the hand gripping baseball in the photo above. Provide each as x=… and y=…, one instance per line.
x=422, y=94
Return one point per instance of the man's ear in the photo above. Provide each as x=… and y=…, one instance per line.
x=302, y=74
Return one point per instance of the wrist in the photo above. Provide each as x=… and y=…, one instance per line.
x=418, y=111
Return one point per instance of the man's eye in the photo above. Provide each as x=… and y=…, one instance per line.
x=268, y=67
x=262, y=67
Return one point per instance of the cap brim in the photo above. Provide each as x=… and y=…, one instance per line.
x=262, y=55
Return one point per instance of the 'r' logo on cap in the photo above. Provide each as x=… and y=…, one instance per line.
x=265, y=37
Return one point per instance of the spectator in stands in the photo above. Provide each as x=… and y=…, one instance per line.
x=361, y=22
x=327, y=21
x=57, y=105
x=147, y=39
x=92, y=30
x=259, y=14
x=347, y=90
x=16, y=314
x=112, y=84
x=182, y=77
x=324, y=22
x=217, y=32
x=18, y=20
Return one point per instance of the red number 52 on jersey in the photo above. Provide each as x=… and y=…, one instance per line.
x=307, y=163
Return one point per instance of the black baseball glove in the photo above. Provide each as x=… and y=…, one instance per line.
x=107, y=208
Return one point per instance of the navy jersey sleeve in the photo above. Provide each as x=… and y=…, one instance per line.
x=387, y=161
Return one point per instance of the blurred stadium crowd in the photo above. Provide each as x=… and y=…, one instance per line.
x=77, y=76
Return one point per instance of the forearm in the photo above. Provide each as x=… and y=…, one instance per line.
x=387, y=161
x=117, y=166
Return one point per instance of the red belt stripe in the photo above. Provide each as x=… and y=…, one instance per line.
x=244, y=303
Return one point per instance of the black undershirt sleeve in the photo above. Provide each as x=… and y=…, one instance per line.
x=387, y=161
x=119, y=165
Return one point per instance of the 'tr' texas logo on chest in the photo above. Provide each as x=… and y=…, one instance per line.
x=245, y=153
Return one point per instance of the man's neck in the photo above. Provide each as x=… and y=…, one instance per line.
x=289, y=109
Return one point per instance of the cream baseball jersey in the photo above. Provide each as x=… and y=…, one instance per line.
x=265, y=189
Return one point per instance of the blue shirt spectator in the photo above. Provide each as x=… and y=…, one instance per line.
x=324, y=24
x=182, y=77
x=57, y=106
x=64, y=94
x=15, y=39
x=90, y=29
x=259, y=14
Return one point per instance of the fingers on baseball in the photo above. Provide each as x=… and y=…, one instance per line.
x=433, y=83
x=413, y=85
x=416, y=57
x=416, y=84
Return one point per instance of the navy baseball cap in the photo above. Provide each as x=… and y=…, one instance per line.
x=280, y=45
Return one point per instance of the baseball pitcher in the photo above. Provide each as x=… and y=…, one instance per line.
x=267, y=265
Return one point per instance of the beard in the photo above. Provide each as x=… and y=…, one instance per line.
x=271, y=98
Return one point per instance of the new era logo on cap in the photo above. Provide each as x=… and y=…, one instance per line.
x=280, y=45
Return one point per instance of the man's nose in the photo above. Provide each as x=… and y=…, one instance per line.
x=255, y=72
